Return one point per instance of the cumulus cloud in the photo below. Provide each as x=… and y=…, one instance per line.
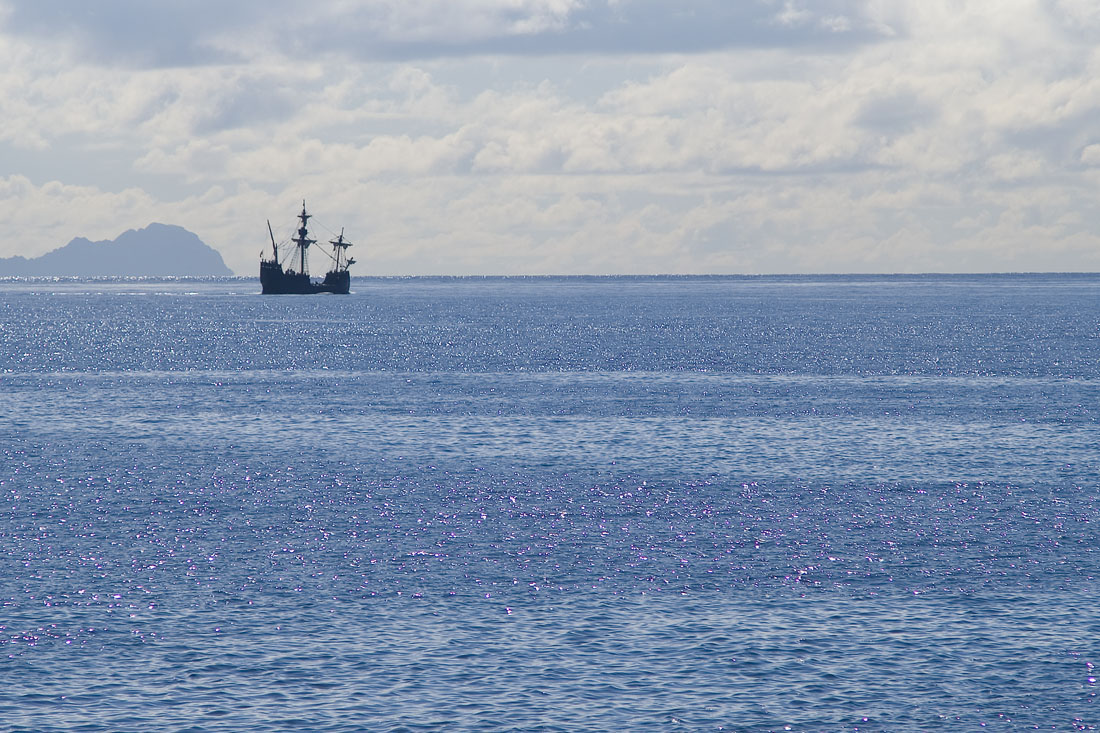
x=195, y=32
x=767, y=136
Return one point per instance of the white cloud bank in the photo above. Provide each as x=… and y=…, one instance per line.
x=565, y=136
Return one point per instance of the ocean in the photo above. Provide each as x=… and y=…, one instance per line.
x=830, y=503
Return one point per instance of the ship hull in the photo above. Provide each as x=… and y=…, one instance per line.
x=274, y=281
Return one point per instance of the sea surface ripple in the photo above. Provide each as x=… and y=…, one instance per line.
x=551, y=504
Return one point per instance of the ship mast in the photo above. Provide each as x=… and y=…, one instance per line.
x=274, y=247
x=302, y=240
x=340, y=247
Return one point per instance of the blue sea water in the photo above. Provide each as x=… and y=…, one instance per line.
x=669, y=504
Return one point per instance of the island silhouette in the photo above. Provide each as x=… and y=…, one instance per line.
x=157, y=250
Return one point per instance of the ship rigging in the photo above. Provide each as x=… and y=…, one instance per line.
x=278, y=276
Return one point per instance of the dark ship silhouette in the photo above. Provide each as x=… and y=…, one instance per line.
x=276, y=280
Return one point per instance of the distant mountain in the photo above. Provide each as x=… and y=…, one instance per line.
x=156, y=250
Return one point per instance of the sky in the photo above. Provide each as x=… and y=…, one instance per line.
x=507, y=137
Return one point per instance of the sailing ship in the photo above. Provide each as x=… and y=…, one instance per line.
x=277, y=280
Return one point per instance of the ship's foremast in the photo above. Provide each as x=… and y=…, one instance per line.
x=340, y=248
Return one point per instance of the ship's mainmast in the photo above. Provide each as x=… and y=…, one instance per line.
x=302, y=241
